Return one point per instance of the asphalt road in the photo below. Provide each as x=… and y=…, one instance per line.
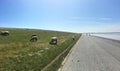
x=93, y=54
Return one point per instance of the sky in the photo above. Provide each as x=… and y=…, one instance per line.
x=62, y=15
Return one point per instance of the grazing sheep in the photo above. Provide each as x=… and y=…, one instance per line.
x=33, y=38
x=73, y=37
x=53, y=41
x=4, y=33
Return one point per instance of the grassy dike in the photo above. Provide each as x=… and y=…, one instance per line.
x=56, y=63
x=17, y=53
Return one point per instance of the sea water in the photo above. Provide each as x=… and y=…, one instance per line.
x=115, y=36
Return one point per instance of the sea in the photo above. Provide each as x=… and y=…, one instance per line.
x=114, y=35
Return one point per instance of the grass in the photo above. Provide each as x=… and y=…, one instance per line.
x=18, y=54
x=58, y=61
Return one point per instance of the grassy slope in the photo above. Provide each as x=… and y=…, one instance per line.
x=17, y=53
x=57, y=63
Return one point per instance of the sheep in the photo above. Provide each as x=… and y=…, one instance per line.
x=73, y=37
x=33, y=38
x=53, y=41
x=4, y=33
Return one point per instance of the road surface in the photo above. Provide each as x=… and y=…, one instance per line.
x=93, y=54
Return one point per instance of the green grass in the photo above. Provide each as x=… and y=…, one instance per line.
x=18, y=54
x=57, y=63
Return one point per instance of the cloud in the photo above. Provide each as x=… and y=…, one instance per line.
x=103, y=27
x=90, y=18
x=105, y=19
x=81, y=18
x=95, y=24
x=114, y=27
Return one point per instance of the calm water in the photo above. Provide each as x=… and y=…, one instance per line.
x=115, y=36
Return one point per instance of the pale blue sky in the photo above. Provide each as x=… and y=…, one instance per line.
x=62, y=15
